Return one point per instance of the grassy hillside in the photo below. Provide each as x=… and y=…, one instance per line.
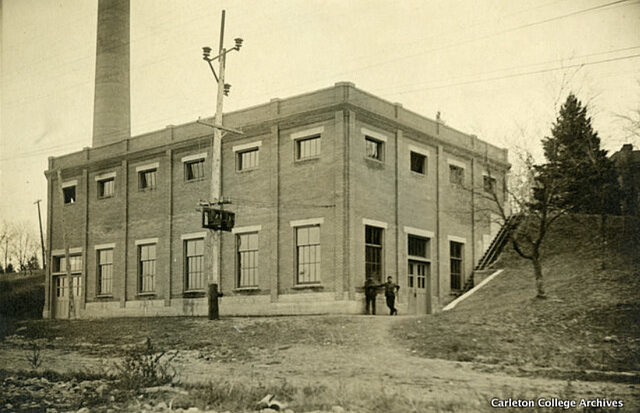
x=21, y=297
x=589, y=322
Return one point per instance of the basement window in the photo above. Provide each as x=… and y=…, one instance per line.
x=69, y=194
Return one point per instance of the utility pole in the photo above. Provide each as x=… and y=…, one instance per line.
x=216, y=164
x=44, y=262
x=72, y=309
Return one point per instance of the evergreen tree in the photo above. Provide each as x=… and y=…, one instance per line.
x=33, y=264
x=589, y=179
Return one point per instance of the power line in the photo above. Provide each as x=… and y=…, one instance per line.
x=521, y=74
x=462, y=42
x=519, y=66
x=66, y=145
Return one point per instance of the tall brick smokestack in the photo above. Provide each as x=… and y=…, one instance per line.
x=112, y=103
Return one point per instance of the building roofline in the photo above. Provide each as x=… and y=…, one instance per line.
x=340, y=94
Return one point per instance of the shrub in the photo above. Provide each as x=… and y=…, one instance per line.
x=145, y=366
x=33, y=357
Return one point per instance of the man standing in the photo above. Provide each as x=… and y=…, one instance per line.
x=370, y=291
x=390, y=290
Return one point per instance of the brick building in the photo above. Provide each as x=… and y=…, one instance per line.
x=328, y=188
x=627, y=162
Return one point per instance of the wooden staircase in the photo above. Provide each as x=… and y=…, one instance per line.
x=495, y=248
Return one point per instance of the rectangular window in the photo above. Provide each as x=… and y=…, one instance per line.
x=418, y=163
x=60, y=264
x=106, y=187
x=417, y=273
x=308, y=147
x=147, y=267
x=147, y=179
x=105, y=271
x=373, y=252
x=77, y=286
x=69, y=194
x=456, y=175
x=374, y=148
x=194, y=264
x=61, y=286
x=418, y=246
x=248, y=254
x=489, y=184
x=194, y=170
x=456, y=258
x=248, y=159
x=308, y=254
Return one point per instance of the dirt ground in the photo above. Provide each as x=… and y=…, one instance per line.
x=367, y=356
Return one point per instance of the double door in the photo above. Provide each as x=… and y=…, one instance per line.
x=62, y=294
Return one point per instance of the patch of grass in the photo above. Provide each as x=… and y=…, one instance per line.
x=21, y=297
x=55, y=376
x=373, y=398
x=225, y=340
x=589, y=321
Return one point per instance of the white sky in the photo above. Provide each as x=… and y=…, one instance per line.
x=488, y=65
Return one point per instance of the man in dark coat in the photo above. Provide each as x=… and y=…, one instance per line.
x=370, y=291
x=390, y=290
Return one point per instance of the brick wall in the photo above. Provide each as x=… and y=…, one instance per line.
x=341, y=188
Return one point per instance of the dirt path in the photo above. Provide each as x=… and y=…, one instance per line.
x=377, y=361
x=381, y=361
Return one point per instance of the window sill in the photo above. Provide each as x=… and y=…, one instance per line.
x=418, y=174
x=189, y=181
x=146, y=189
x=308, y=286
x=104, y=296
x=194, y=294
x=308, y=159
x=100, y=198
x=246, y=290
x=246, y=170
x=376, y=162
x=143, y=295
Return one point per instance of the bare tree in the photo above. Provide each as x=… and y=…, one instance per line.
x=24, y=244
x=5, y=246
x=631, y=124
x=532, y=195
